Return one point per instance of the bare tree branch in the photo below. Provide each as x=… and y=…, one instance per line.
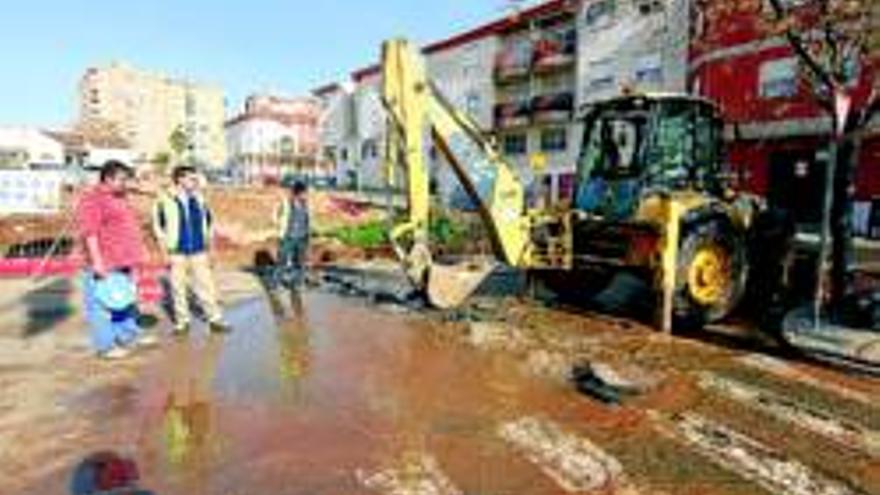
x=799, y=46
x=871, y=108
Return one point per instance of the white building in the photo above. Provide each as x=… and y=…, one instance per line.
x=22, y=146
x=524, y=79
x=274, y=136
x=85, y=148
x=334, y=130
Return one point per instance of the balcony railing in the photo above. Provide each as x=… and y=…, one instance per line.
x=515, y=114
x=551, y=54
x=514, y=62
x=557, y=107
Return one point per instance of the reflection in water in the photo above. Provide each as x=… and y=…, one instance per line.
x=299, y=403
x=286, y=304
x=294, y=355
x=187, y=420
x=104, y=473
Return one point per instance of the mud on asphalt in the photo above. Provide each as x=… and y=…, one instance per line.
x=367, y=391
x=823, y=424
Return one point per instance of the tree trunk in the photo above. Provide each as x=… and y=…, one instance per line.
x=841, y=220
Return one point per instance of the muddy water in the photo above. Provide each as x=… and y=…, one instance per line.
x=317, y=403
x=345, y=397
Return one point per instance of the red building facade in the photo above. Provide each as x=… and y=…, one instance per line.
x=777, y=133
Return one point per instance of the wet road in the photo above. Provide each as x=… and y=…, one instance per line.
x=318, y=403
x=344, y=397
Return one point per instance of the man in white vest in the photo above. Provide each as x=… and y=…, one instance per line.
x=183, y=224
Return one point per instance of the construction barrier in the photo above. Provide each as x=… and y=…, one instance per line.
x=147, y=277
x=37, y=233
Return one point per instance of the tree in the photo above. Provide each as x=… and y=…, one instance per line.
x=838, y=43
x=286, y=151
x=161, y=161
x=178, y=141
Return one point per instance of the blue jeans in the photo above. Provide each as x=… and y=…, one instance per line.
x=290, y=269
x=108, y=329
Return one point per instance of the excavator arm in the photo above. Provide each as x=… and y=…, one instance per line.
x=418, y=111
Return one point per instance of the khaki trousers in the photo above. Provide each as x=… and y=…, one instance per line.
x=193, y=272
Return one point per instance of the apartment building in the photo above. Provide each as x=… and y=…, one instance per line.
x=335, y=107
x=523, y=78
x=148, y=107
x=275, y=135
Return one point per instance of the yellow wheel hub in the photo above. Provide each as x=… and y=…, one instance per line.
x=709, y=275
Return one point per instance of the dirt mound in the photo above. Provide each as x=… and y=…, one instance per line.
x=244, y=225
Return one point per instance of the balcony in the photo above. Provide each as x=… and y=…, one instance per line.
x=555, y=53
x=514, y=62
x=553, y=108
x=514, y=114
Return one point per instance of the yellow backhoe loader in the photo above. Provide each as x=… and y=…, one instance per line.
x=650, y=196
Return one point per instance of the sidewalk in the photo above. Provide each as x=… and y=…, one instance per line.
x=866, y=256
x=858, y=242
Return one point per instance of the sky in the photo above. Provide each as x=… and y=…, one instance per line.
x=243, y=46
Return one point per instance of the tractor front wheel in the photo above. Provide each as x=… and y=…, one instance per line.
x=711, y=276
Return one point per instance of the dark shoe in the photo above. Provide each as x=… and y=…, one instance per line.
x=181, y=330
x=146, y=320
x=219, y=327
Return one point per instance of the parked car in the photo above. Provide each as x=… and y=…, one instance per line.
x=221, y=177
x=317, y=182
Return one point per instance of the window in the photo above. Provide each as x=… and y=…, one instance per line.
x=554, y=139
x=649, y=69
x=851, y=71
x=600, y=14
x=369, y=149
x=601, y=75
x=470, y=60
x=648, y=7
x=472, y=102
x=517, y=51
x=515, y=144
x=786, y=4
x=778, y=78
x=344, y=154
x=190, y=104
x=564, y=37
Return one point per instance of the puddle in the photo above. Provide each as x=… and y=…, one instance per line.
x=340, y=397
x=315, y=399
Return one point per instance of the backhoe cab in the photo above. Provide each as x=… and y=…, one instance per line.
x=644, y=157
x=649, y=196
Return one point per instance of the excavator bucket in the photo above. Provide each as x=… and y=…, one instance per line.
x=450, y=285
